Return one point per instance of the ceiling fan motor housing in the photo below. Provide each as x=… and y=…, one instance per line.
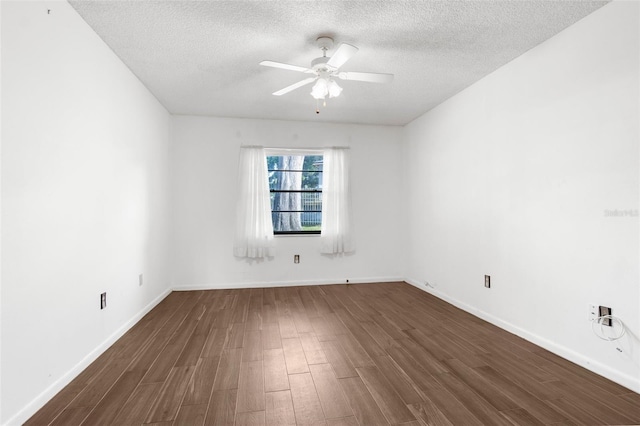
x=320, y=64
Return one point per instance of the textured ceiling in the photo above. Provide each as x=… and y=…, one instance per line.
x=201, y=57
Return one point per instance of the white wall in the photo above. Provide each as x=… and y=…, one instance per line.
x=84, y=200
x=0, y=219
x=512, y=178
x=205, y=158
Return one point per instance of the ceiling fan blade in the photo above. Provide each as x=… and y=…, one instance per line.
x=285, y=66
x=342, y=55
x=370, y=77
x=295, y=86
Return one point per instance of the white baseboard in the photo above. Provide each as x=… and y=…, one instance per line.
x=39, y=402
x=265, y=284
x=630, y=382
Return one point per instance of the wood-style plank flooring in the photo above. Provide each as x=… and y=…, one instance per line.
x=364, y=354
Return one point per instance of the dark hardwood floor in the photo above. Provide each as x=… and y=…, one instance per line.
x=361, y=354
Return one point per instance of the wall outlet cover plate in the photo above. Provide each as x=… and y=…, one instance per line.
x=603, y=311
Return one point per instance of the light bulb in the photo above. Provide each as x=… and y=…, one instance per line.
x=320, y=89
x=334, y=89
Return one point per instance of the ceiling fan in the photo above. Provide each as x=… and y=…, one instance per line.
x=326, y=69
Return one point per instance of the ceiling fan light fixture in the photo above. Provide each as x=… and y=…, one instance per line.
x=334, y=89
x=325, y=86
x=321, y=89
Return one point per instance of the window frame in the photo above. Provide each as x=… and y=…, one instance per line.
x=271, y=152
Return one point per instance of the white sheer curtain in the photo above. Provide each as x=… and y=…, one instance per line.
x=254, y=229
x=337, y=232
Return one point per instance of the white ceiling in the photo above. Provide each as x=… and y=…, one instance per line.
x=201, y=57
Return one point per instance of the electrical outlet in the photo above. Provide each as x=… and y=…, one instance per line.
x=103, y=300
x=487, y=281
x=140, y=279
x=296, y=258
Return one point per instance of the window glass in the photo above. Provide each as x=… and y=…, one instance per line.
x=295, y=183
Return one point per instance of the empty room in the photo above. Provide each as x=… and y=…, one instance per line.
x=320, y=212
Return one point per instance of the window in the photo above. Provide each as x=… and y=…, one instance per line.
x=295, y=185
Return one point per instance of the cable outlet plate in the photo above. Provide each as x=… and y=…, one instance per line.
x=597, y=311
x=602, y=311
